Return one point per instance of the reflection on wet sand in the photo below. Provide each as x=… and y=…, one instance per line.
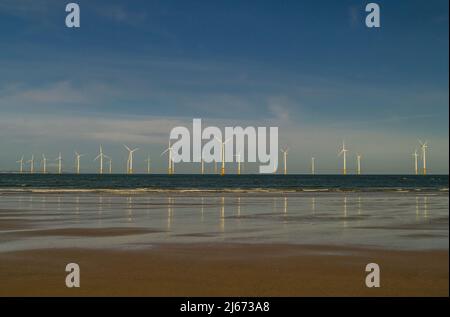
x=285, y=208
x=77, y=209
x=359, y=206
x=345, y=212
x=169, y=213
x=222, y=215
x=202, y=219
x=380, y=219
x=425, y=203
x=129, y=209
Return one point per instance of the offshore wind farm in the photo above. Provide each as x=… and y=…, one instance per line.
x=282, y=166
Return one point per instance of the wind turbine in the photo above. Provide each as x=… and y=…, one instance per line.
x=31, y=164
x=222, y=154
x=130, y=159
x=285, y=152
x=203, y=166
x=344, y=152
x=100, y=156
x=110, y=164
x=170, y=167
x=21, y=164
x=416, y=166
x=148, y=164
x=424, y=147
x=77, y=158
x=358, y=158
x=59, y=159
x=313, y=165
x=44, y=164
x=239, y=163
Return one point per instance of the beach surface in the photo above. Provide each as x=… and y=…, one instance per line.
x=224, y=270
x=224, y=244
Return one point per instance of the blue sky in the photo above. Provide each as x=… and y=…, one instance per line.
x=135, y=69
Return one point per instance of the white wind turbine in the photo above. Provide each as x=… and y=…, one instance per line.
x=31, y=161
x=416, y=165
x=222, y=154
x=358, y=158
x=44, y=164
x=171, y=166
x=100, y=156
x=202, y=166
x=344, y=152
x=148, y=161
x=59, y=159
x=313, y=165
x=285, y=152
x=21, y=164
x=77, y=160
x=424, y=146
x=239, y=163
x=109, y=163
x=130, y=159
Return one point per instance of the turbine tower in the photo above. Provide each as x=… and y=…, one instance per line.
x=424, y=146
x=31, y=164
x=130, y=159
x=358, y=158
x=109, y=164
x=77, y=159
x=416, y=165
x=313, y=165
x=148, y=164
x=59, y=159
x=239, y=163
x=21, y=165
x=203, y=166
x=222, y=154
x=100, y=156
x=170, y=166
x=285, y=152
x=44, y=164
x=344, y=153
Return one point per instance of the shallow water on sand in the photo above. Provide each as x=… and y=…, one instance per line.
x=108, y=220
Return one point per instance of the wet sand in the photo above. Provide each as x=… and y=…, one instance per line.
x=221, y=269
x=187, y=244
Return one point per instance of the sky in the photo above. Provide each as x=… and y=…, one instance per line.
x=136, y=69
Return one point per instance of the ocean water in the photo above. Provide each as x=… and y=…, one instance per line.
x=226, y=183
x=139, y=211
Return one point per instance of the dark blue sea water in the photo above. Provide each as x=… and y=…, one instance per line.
x=227, y=182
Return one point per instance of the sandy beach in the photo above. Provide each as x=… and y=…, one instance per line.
x=215, y=244
x=224, y=270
